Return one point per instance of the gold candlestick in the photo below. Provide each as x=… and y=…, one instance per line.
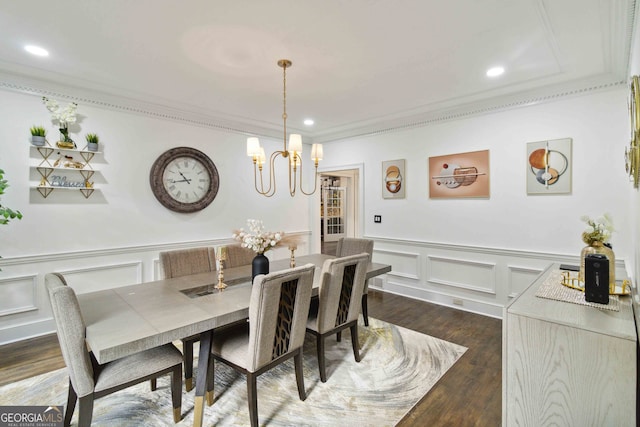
x=221, y=256
x=292, y=262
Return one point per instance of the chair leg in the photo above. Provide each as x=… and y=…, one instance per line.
x=339, y=336
x=252, y=398
x=154, y=384
x=365, y=310
x=354, y=342
x=321, y=361
x=72, y=398
x=176, y=393
x=187, y=347
x=300, y=375
x=85, y=411
x=210, y=378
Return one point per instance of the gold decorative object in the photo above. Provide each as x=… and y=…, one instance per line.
x=291, y=152
x=632, y=154
x=574, y=281
x=292, y=249
x=221, y=257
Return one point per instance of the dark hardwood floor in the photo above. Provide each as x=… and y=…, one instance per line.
x=469, y=394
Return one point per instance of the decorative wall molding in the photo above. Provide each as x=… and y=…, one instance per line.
x=462, y=273
x=406, y=264
x=18, y=294
x=519, y=278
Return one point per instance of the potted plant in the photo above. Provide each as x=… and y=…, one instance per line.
x=38, y=134
x=92, y=141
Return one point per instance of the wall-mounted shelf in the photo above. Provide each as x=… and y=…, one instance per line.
x=70, y=160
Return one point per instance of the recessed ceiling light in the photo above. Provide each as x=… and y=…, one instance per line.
x=308, y=122
x=495, y=71
x=36, y=50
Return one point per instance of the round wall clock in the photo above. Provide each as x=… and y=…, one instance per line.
x=184, y=179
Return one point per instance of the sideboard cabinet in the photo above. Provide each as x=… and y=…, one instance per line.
x=566, y=364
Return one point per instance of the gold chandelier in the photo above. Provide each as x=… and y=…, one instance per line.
x=292, y=152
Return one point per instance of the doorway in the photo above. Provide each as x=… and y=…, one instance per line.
x=339, y=207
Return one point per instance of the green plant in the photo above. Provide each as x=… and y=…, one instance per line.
x=38, y=131
x=6, y=214
x=92, y=138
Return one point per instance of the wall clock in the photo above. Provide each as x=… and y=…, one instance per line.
x=184, y=179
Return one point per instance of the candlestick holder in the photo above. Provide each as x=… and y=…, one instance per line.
x=221, y=284
x=292, y=260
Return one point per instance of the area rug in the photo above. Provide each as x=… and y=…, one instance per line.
x=398, y=368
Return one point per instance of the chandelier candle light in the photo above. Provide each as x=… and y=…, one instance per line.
x=292, y=152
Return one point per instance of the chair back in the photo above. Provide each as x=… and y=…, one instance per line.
x=341, y=289
x=352, y=246
x=71, y=333
x=238, y=256
x=184, y=262
x=278, y=313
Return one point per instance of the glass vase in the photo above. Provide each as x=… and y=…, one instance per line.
x=259, y=265
x=599, y=248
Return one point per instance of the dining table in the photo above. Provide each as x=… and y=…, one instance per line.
x=124, y=320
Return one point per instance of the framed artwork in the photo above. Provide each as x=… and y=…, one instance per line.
x=459, y=175
x=393, y=179
x=549, y=167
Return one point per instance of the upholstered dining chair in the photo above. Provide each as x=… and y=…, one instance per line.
x=238, y=256
x=89, y=380
x=183, y=262
x=275, y=332
x=352, y=246
x=338, y=303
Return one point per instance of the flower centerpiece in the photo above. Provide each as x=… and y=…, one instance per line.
x=597, y=236
x=65, y=117
x=259, y=241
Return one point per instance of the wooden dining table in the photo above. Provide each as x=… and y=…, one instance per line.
x=125, y=320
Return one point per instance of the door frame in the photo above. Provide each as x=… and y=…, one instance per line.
x=358, y=203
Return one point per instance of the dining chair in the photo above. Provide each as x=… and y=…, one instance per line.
x=338, y=304
x=238, y=256
x=183, y=262
x=352, y=246
x=88, y=380
x=275, y=332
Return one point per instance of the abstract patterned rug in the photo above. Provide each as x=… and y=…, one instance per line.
x=398, y=367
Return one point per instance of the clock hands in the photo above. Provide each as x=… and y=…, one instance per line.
x=185, y=178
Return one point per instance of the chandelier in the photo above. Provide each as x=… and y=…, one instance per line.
x=291, y=152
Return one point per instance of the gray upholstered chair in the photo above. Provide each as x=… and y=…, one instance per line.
x=238, y=256
x=89, y=380
x=183, y=262
x=275, y=332
x=338, y=303
x=353, y=246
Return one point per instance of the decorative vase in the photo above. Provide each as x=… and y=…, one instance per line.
x=259, y=265
x=599, y=248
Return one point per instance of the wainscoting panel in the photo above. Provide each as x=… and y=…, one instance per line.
x=405, y=264
x=18, y=295
x=460, y=273
x=520, y=278
x=98, y=278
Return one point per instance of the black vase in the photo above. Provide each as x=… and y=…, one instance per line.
x=259, y=265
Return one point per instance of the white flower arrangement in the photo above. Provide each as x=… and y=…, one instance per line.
x=64, y=117
x=599, y=230
x=257, y=239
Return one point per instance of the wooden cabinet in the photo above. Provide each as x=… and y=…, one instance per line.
x=567, y=364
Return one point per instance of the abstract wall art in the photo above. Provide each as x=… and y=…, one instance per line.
x=549, y=167
x=459, y=175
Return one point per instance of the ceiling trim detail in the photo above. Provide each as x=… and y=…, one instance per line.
x=384, y=126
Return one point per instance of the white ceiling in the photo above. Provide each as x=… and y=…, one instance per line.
x=359, y=66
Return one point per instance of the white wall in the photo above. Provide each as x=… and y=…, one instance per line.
x=114, y=236
x=473, y=249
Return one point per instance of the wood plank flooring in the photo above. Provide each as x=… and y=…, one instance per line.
x=469, y=394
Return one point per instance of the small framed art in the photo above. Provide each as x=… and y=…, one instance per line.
x=549, y=167
x=393, y=179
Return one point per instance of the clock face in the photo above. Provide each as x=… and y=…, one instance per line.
x=184, y=179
